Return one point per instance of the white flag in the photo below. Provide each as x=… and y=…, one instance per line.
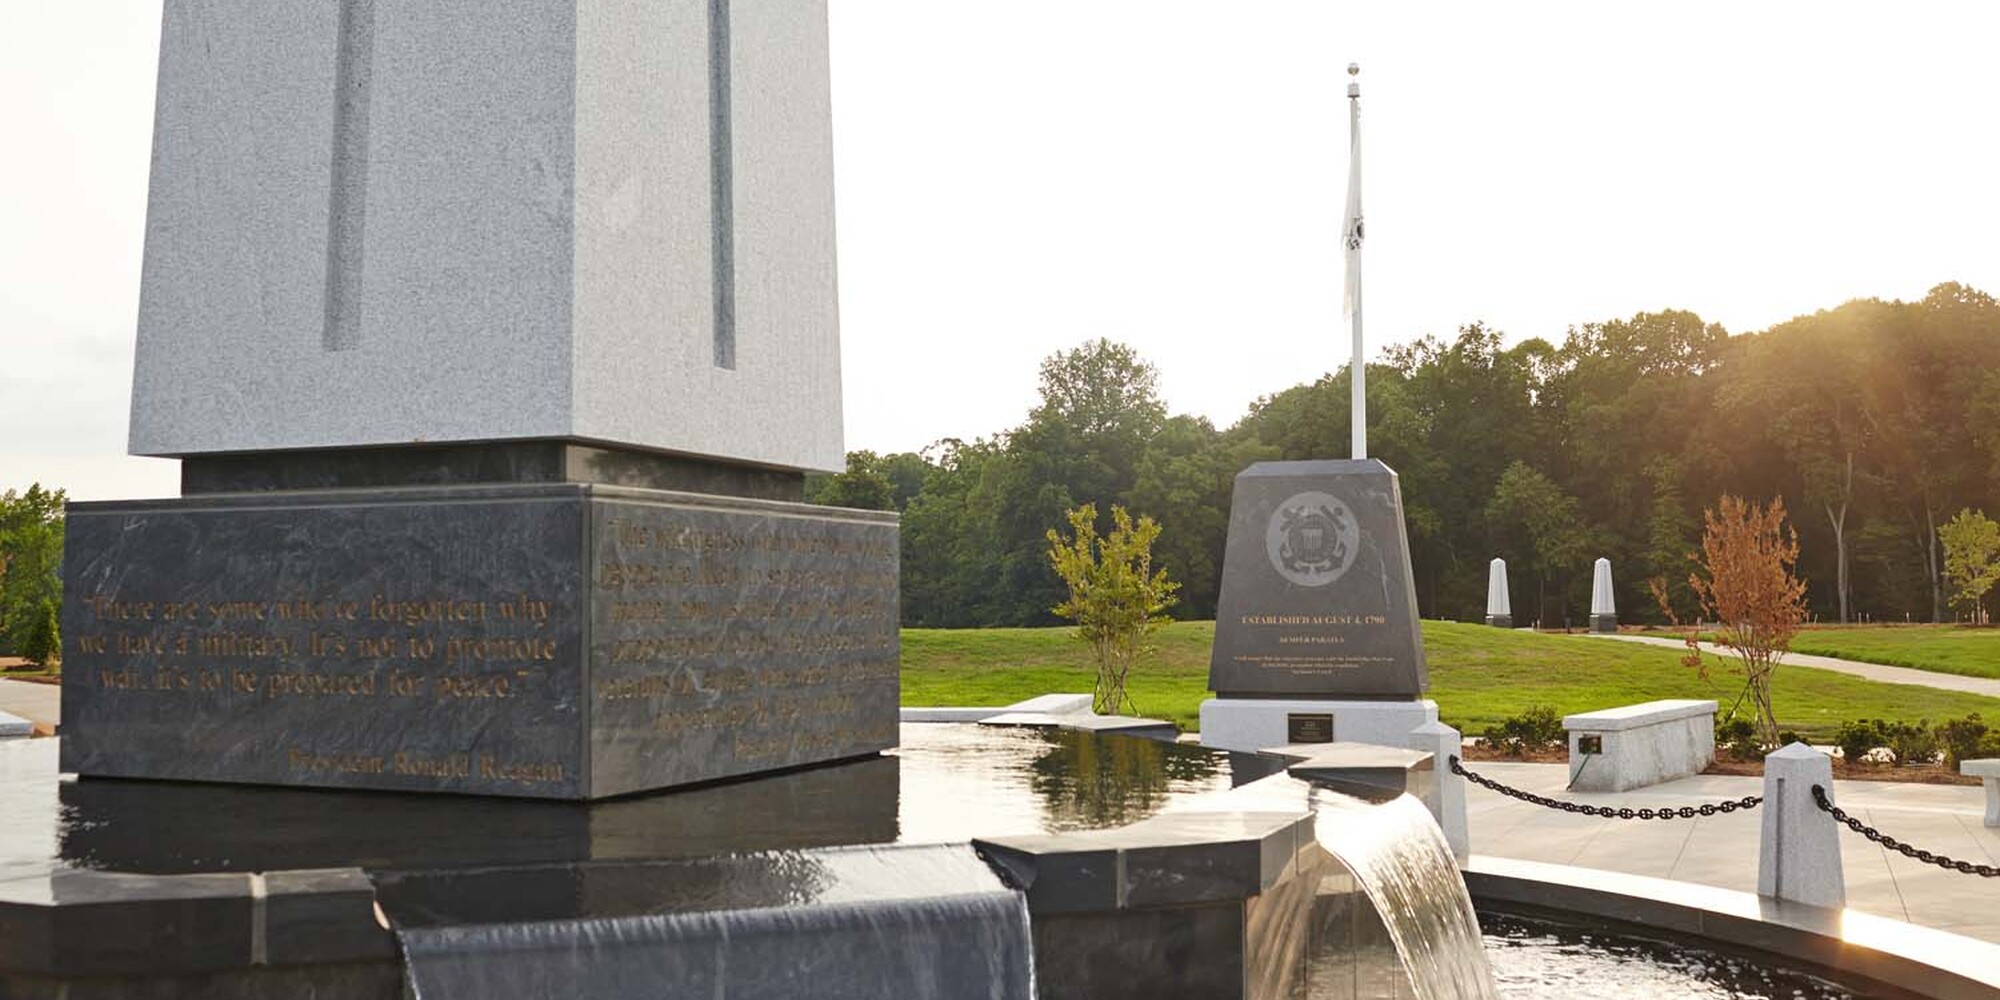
x=1350, y=233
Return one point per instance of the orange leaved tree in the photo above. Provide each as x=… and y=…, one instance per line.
x=1744, y=580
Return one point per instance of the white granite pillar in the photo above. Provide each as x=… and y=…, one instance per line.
x=1603, y=610
x=1798, y=855
x=1447, y=798
x=1499, y=608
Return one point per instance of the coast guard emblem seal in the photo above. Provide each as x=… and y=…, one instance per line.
x=1312, y=539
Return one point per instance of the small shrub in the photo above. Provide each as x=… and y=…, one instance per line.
x=1787, y=737
x=1960, y=739
x=43, y=646
x=1989, y=747
x=1738, y=739
x=1856, y=737
x=1538, y=728
x=1911, y=743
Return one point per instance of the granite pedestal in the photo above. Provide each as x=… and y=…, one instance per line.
x=545, y=640
x=1253, y=724
x=1988, y=771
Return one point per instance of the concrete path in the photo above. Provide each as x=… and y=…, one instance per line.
x=33, y=702
x=1722, y=850
x=1988, y=686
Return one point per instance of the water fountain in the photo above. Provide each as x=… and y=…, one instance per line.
x=471, y=663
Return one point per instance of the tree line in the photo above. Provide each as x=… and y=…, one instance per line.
x=1876, y=422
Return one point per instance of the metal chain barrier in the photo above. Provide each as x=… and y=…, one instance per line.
x=1841, y=816
x=1608, y=812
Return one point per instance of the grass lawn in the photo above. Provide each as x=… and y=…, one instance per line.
x=1479, y=676
x=1949, y=649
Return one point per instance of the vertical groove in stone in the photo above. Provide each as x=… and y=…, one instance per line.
x=347, y=200
x=722, y=210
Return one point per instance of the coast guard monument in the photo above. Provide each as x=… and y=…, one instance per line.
x=1316, y=632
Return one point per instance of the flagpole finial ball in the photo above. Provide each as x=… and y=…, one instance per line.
x=1353, y=69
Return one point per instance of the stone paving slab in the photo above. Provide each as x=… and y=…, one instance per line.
x=1721, y=850
x=34, y=702
x=1988, y=686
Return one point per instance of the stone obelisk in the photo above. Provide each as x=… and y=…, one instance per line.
x=1603, y=608
x=495, y=341
x=1499, y=606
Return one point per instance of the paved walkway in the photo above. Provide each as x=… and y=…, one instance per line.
x=33, y=702
x=1988, y=686
x=1722, y=850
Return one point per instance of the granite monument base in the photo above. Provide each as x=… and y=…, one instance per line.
x=541, y=640
x=1604, y=623
x=1500, y=621
x=1250, y=725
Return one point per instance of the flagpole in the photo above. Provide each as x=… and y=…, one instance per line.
x=1358, y=366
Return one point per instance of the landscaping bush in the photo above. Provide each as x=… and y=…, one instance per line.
x=1989, y=747
x=1538, y=728
x=1961, y=739
x=1856, y=737
x=1787, y=737
x=43, y=646
x=1738, y=739
x=1911, y=743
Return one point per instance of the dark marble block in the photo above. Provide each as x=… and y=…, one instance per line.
x=538, y=640
x=1317, y=595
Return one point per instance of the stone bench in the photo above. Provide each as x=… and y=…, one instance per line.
x=1640, y=745
x=1989, y=771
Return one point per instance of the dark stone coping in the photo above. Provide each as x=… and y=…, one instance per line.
x=1364, y=770
x=92, y=923
x=461, y=494
x=476, y=462
x=1126, y=725
x=1223, y=847
x=1177, y=859
x=1917, y=959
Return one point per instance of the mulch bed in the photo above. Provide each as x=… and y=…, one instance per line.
x=1930, y=774
x=1926, y=774
x=1479, y=751
x=14, y=668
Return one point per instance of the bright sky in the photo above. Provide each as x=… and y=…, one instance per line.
x=1015, y=177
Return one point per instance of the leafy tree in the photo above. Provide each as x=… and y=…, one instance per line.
x=1670, y=540
x=1883, y=417
x=1186, y=478
x=1747, y=585
x=1972, y=559
x=863, y=486
x=31, y=547
x=950, y=553
x=1116, y=597
x=1082, y=444
x=1542, y=515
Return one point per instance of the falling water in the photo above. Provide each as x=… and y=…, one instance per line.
x=1405, y=868
x=869, y=927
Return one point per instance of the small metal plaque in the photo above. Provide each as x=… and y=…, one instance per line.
x=1308, y=727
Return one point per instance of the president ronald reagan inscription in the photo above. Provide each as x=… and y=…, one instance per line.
x=1317, y=597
